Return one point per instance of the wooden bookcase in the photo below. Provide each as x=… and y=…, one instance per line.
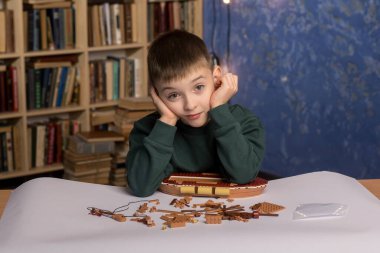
x=85, y=53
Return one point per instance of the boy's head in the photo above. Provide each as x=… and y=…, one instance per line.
x=174, y=54
x=180, y=70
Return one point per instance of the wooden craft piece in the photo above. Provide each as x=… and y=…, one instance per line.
x=210, y=185
x=213, y=218
x=267, y=208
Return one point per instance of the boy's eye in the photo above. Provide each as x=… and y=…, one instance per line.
x=199, y=87
x=172, y=96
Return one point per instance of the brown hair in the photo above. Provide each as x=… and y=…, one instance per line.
x=173, y=54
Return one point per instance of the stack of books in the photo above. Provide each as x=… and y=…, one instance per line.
x=118, y=169
x=131, y=109
x=88, y=156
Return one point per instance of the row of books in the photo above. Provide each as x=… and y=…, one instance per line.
x=8, y=88
x=48, y=140
x=49, y=29
x=168, y=15
x=9, y=148
x=6, y=31
x=112, y=23
x=51, y=84
x=114, y=78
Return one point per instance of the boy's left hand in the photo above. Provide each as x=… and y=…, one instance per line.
x=225, y=89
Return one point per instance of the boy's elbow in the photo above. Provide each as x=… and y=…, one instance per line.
x=141, y=191
x=244, y=178
x=142, y=194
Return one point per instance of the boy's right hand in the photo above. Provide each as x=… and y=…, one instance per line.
x=167, y=116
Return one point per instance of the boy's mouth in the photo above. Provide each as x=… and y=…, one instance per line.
x=194, y=116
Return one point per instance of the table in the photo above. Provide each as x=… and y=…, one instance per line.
x=49, y=214
x=373, y=185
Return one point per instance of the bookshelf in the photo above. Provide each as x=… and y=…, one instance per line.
x=21, y=56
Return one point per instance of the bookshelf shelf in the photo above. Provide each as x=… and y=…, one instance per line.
x=9, y=56
x=52, y=52
x=116, y=47
x=52, y=111
x=10, y=115
x=104, y=104
x=33, y=171
x=19, y=121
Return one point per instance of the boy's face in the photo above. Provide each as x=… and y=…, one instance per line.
x=189, y=97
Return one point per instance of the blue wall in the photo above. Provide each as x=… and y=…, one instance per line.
x=311, y=71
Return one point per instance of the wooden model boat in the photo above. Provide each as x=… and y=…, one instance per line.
x=210, y=185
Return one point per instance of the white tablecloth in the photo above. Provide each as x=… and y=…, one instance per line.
x=50, y=215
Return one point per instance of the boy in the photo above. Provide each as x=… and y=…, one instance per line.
x=194, y=129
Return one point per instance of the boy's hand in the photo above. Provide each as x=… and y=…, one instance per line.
x=167, y=116
x=225, y=89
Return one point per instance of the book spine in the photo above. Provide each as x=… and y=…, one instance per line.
x=14, y=79
x=37, y=89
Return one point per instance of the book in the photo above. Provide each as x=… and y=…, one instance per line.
x=104, y=116
x=137, y=103
x=132, y=115
x=100, y=136
x=2, y=31
x=80, y=146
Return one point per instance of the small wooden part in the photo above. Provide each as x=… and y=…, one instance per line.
x=174, y=224
x=266, y=207
x=213, y=218
x=143, y=208
x=119, y=217
x=209, y=203
x=269, y=214
x=147, y=220
x=155, y=201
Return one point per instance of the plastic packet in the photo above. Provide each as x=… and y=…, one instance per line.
x=319, y=210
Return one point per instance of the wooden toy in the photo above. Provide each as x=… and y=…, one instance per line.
x=213, y=218
x=210, y=185
x=267, y=208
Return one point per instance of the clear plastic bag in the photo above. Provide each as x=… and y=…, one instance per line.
x=319, y=210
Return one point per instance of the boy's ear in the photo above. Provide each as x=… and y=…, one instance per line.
x=217, y=74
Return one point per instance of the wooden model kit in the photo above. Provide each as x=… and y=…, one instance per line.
x=213, y=212
x=210, y=185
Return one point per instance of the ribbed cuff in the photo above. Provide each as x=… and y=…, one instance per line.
x=163, y=133
x=221, y=116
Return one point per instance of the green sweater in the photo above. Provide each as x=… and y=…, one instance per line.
x=231, y=143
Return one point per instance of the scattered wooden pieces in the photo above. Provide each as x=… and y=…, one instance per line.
x=210, y=204
x=147, y=220
x=181, y=203
x=143, y=208
x=213, y=212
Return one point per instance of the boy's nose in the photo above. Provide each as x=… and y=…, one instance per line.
x=190, y=104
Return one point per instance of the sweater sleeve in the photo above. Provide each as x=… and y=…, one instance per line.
x=240, y=142
x=151, y=148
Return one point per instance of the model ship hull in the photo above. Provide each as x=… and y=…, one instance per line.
x=210, y=185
